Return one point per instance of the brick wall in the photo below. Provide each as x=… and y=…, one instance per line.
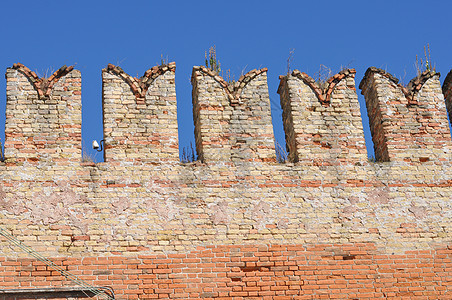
x=327, y=224
x=407, y=123
x=232, y=120
x=140, y=115
x=322, y=123
x=325, y=271
x=43, y=117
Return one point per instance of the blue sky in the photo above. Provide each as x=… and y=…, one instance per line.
x=45, y=35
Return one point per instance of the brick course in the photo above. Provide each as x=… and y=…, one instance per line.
x=329, y=224
x=323, y=271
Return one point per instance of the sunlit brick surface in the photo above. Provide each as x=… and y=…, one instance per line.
x=328, y=224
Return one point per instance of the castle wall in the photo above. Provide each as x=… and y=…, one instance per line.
x=237, y=223
x=407, y=123
x=232, y=120
x=140, y=115
x=322, y=123
x=43, y=116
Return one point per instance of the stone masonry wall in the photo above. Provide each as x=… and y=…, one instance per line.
x=236, y=224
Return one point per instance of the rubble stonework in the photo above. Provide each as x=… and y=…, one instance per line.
x=327, y=224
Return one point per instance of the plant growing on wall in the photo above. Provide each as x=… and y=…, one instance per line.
x=163, y=60
x=290, y=60
x=214, y=64
x=88, y=157
x=424, y=64
x=322, y=76
x=281, y=153
x=188, y=154
x=211, y=60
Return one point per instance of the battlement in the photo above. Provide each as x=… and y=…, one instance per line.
x=140, y=115
x=232, y=120
x=43, y=116
x=322, y=123
x=235, y=223
x=322, y=120
x=407, y=123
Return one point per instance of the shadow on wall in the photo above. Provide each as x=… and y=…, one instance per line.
x=2, y=156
